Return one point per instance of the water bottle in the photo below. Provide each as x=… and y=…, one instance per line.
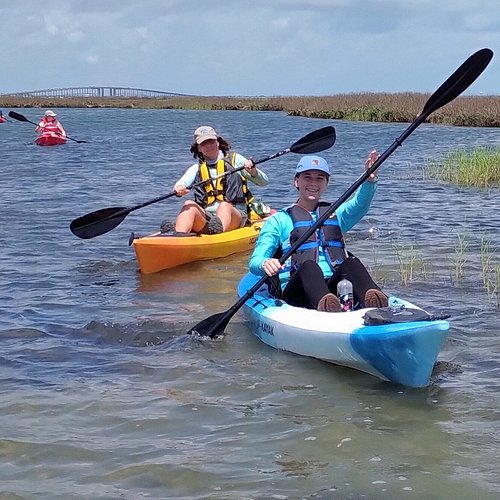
x=344, y=293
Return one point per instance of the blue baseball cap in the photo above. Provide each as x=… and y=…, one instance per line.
x=312, y=162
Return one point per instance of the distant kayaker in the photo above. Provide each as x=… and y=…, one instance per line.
x=50, y=124
x=221, y=204
x=310, y=277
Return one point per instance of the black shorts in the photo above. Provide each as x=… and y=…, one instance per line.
x=213, y=225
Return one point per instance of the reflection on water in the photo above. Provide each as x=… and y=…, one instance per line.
x=103, y=394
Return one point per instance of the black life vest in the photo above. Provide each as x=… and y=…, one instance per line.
x=232, y=188
x=329, y=237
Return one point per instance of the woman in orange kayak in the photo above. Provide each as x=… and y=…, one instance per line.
x=221, y=204
x=50, y=124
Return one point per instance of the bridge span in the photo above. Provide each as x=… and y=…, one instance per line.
x=98, y=91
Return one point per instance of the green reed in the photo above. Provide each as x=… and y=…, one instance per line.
x=412, y=266
x=375, y=268
x=485, y=261
x=461, y=247
x=409, y=261
x=490, y=271
x=477, y=168
x=496, y=290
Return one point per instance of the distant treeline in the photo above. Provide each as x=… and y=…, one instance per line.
x=470, y=111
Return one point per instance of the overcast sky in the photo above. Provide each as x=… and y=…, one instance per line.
x=246, y=47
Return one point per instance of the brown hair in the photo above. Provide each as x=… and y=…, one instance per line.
x=223, y=146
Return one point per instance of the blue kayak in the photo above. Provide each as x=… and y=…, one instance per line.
x=399, y=352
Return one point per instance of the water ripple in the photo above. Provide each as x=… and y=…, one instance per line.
x=103, y=394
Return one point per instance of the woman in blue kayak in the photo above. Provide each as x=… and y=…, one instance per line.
x=310, y=277
x=222, y=203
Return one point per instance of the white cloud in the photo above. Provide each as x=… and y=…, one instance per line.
x=91, y=59
x=64, y=25
x=281, y=23
x=266, y=47
x=52, y=29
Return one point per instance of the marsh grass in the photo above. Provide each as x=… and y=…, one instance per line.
x=461, y=247
x=470, y=111
x=375, y=268
x=485, y=261
x=411, y=265
x=495, y=294
x=477, y=168
x=490, y=271
x=409, y=261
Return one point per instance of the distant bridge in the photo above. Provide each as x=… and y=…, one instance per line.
x=94, y=91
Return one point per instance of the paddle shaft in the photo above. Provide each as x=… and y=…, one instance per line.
x=224, y=174
x=80, y=224
x=126, y=211
x=104, y=220
x=460, y=80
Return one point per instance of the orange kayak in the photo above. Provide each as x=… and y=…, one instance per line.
x=158, y=252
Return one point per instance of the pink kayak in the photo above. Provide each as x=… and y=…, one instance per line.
x=50, y=139
x=2, y=119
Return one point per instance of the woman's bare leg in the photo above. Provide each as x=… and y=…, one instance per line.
x=191, y=218
x=229, y=216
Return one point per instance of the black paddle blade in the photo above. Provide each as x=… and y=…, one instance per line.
x=213, y=326
x=98, y=222
x=316, y=141
x=76, y=140
x=460, y=80
x=18, y=117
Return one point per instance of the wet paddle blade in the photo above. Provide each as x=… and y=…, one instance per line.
x=98, y=222
x=18, y=117
x=459, y=81
x=316, y=141
x=213, y=326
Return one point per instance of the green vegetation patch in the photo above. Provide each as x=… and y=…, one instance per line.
x=477, y=168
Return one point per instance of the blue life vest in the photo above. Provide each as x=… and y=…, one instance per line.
x=329, y=237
